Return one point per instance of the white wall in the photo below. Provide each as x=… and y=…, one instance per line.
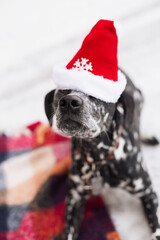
x=35, y=34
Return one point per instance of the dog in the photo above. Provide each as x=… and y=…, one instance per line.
x=106, y=150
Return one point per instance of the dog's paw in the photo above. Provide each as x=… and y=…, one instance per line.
x=156, y=235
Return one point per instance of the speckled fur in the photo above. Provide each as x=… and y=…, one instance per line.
x=93, y=137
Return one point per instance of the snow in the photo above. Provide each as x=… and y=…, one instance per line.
x=34, y=35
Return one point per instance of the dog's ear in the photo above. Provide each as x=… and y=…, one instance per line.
x=129, y=108
x=48, y=104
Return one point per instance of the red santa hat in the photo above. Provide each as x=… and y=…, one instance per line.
x=94, y=68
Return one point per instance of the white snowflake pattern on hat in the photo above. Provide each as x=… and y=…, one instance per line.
x=83, y=64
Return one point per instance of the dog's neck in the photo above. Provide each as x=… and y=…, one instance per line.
x=96, y=149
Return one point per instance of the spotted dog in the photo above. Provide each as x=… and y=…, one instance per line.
x=105, y=150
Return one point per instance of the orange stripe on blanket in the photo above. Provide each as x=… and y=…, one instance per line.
x=63, y=166
x=40, y=133
x=113, y=236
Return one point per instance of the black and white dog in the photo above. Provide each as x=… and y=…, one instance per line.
x=106, y=150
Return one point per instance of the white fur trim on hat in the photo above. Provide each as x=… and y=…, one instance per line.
x=84, y=81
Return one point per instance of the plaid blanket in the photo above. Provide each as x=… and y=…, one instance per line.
x=33, y=171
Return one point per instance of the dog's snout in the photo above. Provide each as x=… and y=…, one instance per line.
x=71, y=102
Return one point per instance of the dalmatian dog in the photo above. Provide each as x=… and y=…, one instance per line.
x=106, y=150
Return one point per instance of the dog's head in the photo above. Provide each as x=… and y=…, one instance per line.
x=74, y=113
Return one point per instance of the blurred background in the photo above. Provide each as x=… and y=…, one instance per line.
x=36, y=34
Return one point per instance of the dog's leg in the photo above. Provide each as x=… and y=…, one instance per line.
x=141, y=187
x=150, y=204
x=73, y=216
x=74, y=207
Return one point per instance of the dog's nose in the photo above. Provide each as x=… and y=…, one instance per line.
x=71, y=102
